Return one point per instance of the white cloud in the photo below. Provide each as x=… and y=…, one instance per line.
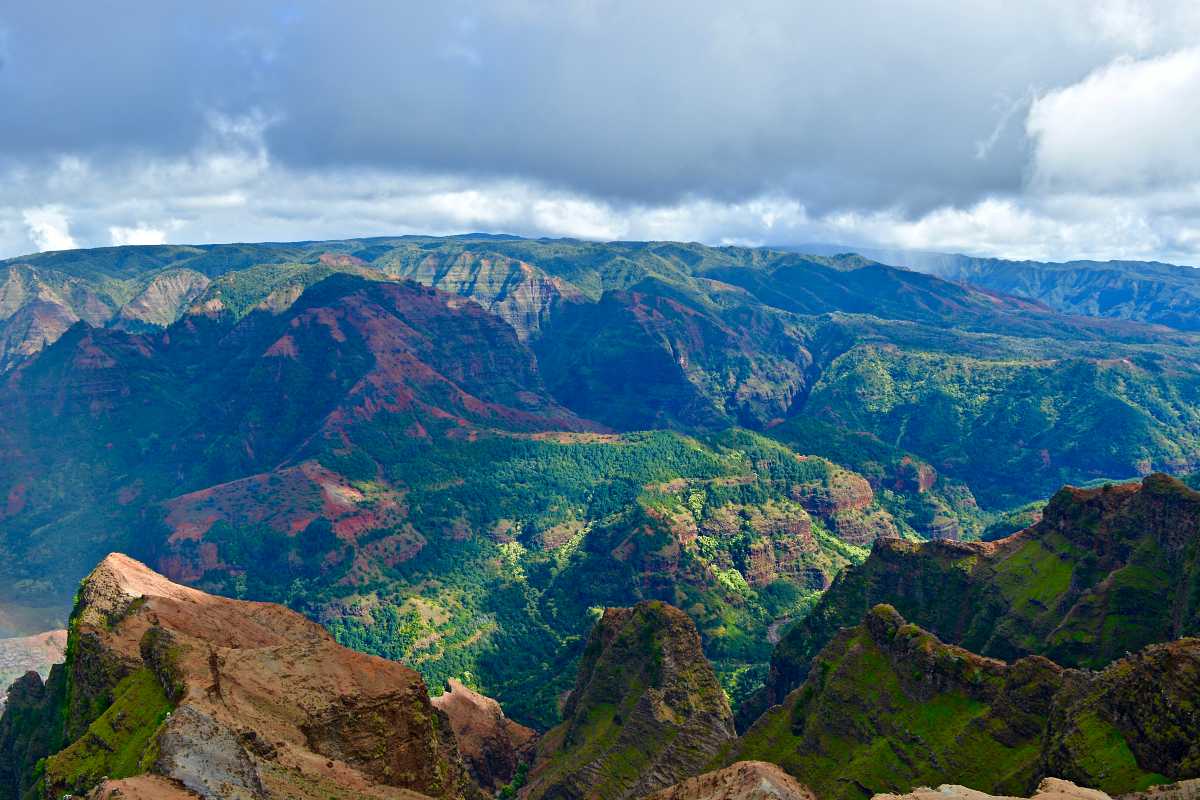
x=229, y=188
x=1063, y=129
x=140, y=234
x=48, y=228
x=1126, y=22
x=1128, y=126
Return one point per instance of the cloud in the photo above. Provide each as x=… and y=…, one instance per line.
x=49, y=228
x=1021, y=127
x=1128, y=126
x=140, y=234
x=856, y=103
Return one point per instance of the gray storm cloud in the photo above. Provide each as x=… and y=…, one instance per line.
x=920, y=124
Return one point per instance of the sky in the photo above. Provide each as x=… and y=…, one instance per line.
x=1050, y=130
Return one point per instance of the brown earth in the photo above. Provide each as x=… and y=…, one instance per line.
x=492, y=746
x=1052, y=789
x=745, y=780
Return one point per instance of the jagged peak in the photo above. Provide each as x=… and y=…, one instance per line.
x=911, y=644
x=116, y=582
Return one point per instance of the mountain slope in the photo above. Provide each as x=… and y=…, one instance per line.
x=887, y=707
x=372, y=437
x=1106, y=571
x=1145, y=291
x=645, y=712
x=434, y=474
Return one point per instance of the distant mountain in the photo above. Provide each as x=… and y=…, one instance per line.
x=1145, y=291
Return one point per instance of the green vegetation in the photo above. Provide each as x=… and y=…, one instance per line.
x=1097, y=577
x=1104, y=754
x=862, y=725
x=118, y=744
x=645, y=706
x=431, y=482
x=887, y=707
x=550, y=529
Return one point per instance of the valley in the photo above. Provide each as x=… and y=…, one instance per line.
x=466, y=454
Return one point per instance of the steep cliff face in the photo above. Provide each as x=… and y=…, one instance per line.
x=224, y=697
x=646, y=711
x=163, y=300
x=28, y=729
x=38, y=306
x=492, y=746
x=1106, y=571
x=518, y=292
x=887, y=706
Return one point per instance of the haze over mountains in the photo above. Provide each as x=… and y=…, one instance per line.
x=1147, y=291
x=458, y=452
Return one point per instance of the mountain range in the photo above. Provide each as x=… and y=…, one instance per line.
x=1146, y=291
x=617, y=493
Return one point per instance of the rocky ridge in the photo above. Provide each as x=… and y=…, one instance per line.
x=1050, y=789
x=224, y=698
x=745, y=780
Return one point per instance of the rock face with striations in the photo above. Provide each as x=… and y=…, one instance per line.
x=646, y=711
x=887, y=706
x=224, y=698
x=491, y=744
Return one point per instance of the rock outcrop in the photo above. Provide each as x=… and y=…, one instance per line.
x=745, y=780
x=646, y=711
x=519, y=293
x=492, y=745
x=887, y=706
x=226, y=699
x=1051, y=789
x=1048, y=789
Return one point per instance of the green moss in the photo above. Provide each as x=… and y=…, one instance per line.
x=118, y=744
x=1033, y=576
x=1105, y=758
x=868, y=721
